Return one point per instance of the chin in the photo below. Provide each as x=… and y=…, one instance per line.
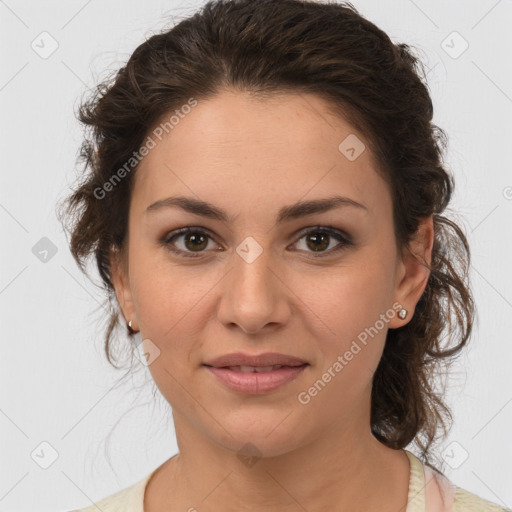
x=259, y=439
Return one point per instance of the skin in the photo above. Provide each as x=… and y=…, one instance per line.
x=251, y=157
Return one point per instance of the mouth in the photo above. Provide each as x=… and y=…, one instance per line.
x=248, y=362
x=257, y=379
x=256, y=369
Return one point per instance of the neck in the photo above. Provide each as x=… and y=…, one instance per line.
x=343, y=469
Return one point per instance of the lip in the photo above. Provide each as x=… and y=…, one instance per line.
x=256, y=383
x=265, y=359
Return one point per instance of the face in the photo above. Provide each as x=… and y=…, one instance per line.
x=265, y=278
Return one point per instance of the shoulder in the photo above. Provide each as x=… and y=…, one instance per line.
x=129, y=499
x=112, y=503
x=434, y=492
x=466, y=501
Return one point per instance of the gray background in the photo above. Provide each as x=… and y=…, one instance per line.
x=57, y=388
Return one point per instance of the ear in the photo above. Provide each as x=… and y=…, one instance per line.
x=121, y=282
x=412, y=274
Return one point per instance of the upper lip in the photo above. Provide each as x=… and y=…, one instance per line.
x=267, y=359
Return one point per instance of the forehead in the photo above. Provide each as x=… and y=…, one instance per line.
x=254, y=151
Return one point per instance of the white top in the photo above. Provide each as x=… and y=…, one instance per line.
x=428, y=492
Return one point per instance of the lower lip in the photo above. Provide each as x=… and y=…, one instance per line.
x=253, y=383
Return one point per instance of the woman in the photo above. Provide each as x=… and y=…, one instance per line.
x=263, y=193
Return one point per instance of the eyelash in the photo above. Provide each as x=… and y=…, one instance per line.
x=342, y=237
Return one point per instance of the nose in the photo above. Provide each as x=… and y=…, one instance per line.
x=254, y=295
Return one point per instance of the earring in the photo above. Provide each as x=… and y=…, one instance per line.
x=130, y=327
x=402, y=313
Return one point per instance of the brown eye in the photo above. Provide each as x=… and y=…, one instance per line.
x=318, y=240
x=194, y=241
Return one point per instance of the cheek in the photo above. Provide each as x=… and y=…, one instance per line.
x=355, y=306
x=353, y=297
x=161, y=293
x=171, y=311
x=170, y=307
x=350, y=341
x=171, y=302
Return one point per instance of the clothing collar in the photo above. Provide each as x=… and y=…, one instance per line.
x=429, y=491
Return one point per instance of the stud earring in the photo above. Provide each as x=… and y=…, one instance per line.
x=402, y=313
x=130, y=327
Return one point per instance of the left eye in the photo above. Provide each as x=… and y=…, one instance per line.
x=318, y=238
x=196, y=240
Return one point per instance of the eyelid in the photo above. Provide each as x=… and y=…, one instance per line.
x=344, y=239
x=166, y=240
x=327, y=228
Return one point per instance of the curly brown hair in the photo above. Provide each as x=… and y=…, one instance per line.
x=330, y=50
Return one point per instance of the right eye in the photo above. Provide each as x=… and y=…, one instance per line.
x=193, y=238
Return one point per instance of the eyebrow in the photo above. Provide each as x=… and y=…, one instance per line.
x=287, y=213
